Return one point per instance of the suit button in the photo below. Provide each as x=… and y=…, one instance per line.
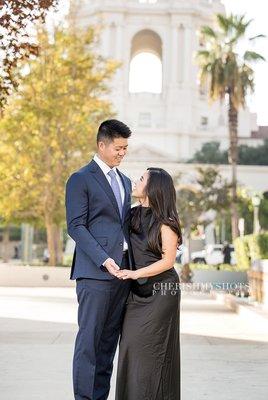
x=121, y=243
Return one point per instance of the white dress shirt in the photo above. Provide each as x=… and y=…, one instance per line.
x=105, y=169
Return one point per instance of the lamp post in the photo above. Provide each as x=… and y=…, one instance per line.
x=256, y=204
x=241, y=226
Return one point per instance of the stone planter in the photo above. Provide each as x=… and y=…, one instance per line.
x=28, y=276
x=258, y=279
x=264, y=265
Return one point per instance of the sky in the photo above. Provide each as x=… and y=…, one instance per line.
x=258, y=11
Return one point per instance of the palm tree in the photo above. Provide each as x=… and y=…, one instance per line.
x=229, y=76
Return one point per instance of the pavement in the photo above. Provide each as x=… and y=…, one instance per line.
x=224, y=354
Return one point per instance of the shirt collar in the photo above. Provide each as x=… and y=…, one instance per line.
x=103, y=166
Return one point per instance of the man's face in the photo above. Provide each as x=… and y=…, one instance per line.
x=112, y=153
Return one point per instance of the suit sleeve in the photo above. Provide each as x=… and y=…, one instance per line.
x=76, y=202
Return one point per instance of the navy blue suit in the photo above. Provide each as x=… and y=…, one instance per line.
x=95, y=224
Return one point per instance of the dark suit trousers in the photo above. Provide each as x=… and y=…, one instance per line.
x=100, y=315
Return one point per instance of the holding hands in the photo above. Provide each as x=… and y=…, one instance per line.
x=111, y=266
x=127, y=274
x=114, y=270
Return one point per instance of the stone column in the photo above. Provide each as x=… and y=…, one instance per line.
x=119, y=42
x=188, y=55
x=112, y=40
x=105, y=43
x=119, y=94
x=174, y=55
x=181, y=53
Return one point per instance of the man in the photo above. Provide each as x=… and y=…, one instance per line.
x=226, y=251
x=98, y=200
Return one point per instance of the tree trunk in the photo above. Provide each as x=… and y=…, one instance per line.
x=58, y=244
x=233, y=158
x=6, y=243
x=54, y=242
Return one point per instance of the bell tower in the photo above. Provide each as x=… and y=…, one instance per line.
x=156, y=91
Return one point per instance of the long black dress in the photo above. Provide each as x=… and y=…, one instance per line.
x=149, y=351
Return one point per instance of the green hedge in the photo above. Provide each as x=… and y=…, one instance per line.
x=67, y=260
x=263, y=244
x=211, y=267
x=250, y=248
x=241, y=253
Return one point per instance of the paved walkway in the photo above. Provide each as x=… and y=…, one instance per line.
x=224, y=355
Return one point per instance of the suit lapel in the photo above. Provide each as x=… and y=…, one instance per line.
x=123, y=179
x=98, y=174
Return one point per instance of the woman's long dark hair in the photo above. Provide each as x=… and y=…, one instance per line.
x=162, y=201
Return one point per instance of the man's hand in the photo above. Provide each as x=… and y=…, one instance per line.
x=111, y=266
x=127, y=274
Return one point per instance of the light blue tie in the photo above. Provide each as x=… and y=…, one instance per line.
x=116, y=190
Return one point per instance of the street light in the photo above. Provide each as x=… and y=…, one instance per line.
x=241, y=226
x=256, y=204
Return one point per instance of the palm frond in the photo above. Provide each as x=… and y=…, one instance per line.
x=242, y=24
x=257, y=37
x=223, y=22
x=220, y=65
x=203, y=55
x=239, y=26
x=253, y=56
x=207, y=31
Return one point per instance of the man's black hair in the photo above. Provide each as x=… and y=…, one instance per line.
x=111, y=129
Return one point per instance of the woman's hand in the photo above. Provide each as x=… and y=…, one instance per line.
x=127, y=274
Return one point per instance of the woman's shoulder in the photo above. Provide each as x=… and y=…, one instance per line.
x=167, y=224
x=165, y=228
x=170, y=233
x=134, y=209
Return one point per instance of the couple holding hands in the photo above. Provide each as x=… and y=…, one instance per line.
x=123, y=267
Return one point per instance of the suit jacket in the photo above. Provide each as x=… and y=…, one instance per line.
x=94, y=222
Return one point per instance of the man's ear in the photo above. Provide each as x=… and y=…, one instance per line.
x=100, y=145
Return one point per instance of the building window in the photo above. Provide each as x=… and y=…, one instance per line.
x=145, y=67
x=145, y=120
x=204, y=122
x=145, y=74
x=147, y=1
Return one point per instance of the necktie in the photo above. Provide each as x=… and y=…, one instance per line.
x=116, y=190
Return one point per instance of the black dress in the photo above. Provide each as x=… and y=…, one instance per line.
x=149, y=351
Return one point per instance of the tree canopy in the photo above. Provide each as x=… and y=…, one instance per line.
x=210, y=153
x=17, y=42
x=49, y=126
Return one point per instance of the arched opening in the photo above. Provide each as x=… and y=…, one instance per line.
x=145, y=69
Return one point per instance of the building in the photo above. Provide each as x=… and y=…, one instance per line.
x=162, y=101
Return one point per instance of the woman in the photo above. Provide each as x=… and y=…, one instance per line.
x=149, y=352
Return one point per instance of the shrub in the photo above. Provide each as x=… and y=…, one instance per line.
x=250, y=248
x=263, y=244
x=211, y=267
x=242, y=253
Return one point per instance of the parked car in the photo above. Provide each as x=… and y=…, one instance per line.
x=182, y=254
x=211, y=254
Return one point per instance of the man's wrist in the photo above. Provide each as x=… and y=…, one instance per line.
x=105, y=262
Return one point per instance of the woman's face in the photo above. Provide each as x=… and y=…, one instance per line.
x=140, y=185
